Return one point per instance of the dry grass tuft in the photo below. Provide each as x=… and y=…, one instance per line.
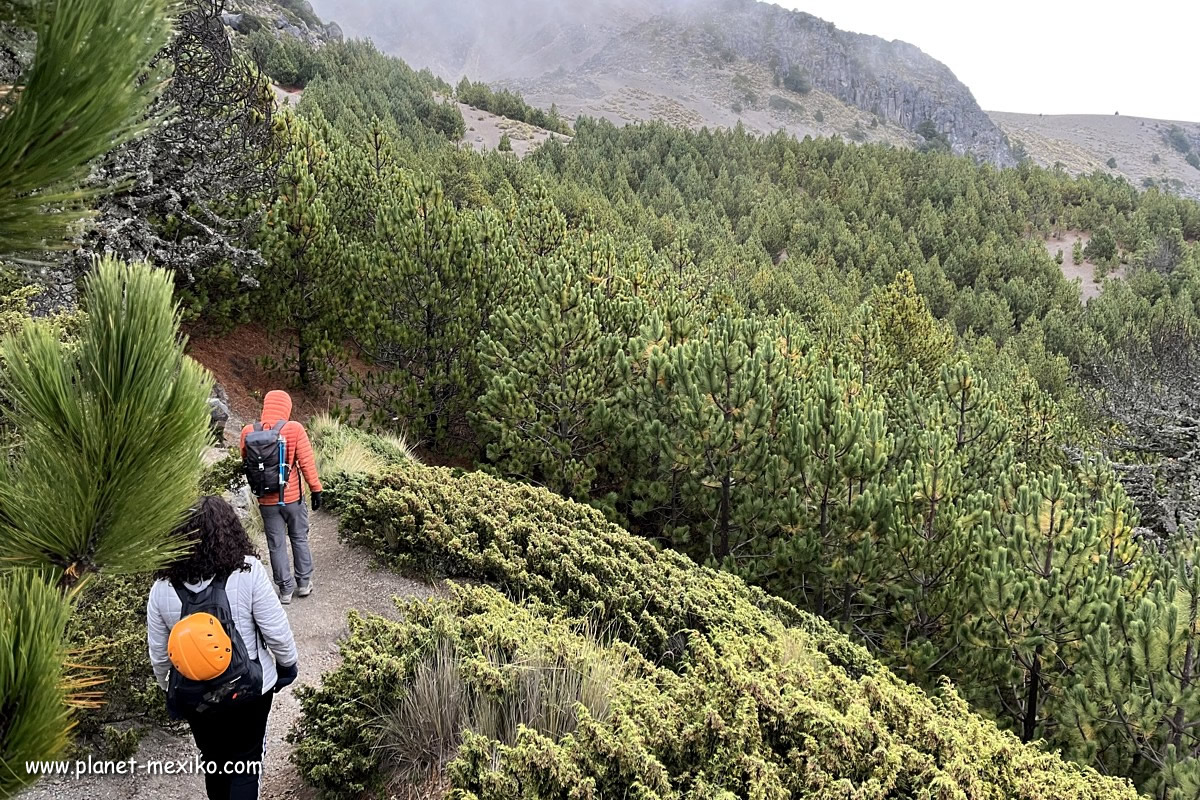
x=342, y=449
x=546, y=692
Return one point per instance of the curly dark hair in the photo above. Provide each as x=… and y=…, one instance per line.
x=219, y=544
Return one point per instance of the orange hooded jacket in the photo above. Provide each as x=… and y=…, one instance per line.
x=277, y=405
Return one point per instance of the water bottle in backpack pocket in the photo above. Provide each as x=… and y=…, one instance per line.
x=265, y=460
x=210, y=665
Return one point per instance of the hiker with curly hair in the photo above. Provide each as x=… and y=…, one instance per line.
x=221, y=646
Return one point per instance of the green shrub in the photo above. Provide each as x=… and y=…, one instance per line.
x=1193, y=158
x=250, y=23
x=750, y=715
x=303, y=11
x=562, y=556
x=286, y=60
x=1112, y=163
x=509, y=104
x=225, y=475
x=784, y=104
x=796, y=80
x=107, y=632
x=932, y=139
x=1102, y=247
x=818, y=116
x=1177, y=137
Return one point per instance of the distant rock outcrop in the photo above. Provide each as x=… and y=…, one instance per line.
x=294, y=18
x=894, y=80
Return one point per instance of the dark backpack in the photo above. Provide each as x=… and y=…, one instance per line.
x=265, y=462
x=241, y=682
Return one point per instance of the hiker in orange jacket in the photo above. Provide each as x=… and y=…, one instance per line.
x=288, y=521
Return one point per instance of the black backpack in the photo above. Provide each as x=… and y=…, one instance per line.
x=265, y=462
x=241, y=682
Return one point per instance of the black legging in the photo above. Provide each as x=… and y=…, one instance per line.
x=227, y=738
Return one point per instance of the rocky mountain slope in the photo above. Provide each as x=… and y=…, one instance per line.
x=1145, y=151
x=294, y=18
x=692, y=62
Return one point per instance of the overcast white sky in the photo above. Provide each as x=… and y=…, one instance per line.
x=1140, y=57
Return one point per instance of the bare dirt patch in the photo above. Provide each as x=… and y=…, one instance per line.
x=485, y=130
x=1085, y=272
x=236, y=362
x=287, y=97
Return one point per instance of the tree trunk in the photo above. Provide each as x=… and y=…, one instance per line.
x=303, y=357
x=1033, y=697
x=723, y=547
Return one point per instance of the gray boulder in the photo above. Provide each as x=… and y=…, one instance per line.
x=218, y=410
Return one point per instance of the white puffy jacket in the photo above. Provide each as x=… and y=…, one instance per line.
x=256, y=612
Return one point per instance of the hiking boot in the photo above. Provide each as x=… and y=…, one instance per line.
x=304, y=588
x=285, y=598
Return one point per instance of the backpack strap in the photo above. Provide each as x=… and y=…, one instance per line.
x=189, y=599
x=185, y=598
x=220, y=597
x=292, y=467
x=213, y=593
x=258, y=427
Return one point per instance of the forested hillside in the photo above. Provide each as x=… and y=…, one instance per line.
x=694, y=62
x=704, y=388
x=852, y=375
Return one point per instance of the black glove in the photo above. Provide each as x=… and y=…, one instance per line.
x=316, y=501
x=286, y=676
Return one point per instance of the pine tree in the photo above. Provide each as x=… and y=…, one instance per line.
x=839, y=446
x=909, y=334
x=78, y=497
x=432, y=278
x=112, y=433
x=950, y=447
x=1143, y=672
x=1041, y=586
x=305, y=278
x=56, y=127
x=724, y=416
x=549, y=376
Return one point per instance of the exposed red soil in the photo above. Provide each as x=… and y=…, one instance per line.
x=236, y=362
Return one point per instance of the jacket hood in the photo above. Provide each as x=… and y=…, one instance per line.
x=277, y=405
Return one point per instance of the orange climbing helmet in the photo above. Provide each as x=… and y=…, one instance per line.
x=199, y=647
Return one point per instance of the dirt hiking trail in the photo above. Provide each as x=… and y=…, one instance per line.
x=344, y=579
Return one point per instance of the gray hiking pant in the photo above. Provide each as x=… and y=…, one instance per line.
x=284, y=523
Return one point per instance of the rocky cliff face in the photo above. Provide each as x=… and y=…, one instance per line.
x=295, y=18
x=598, y=57
x=893, y=80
